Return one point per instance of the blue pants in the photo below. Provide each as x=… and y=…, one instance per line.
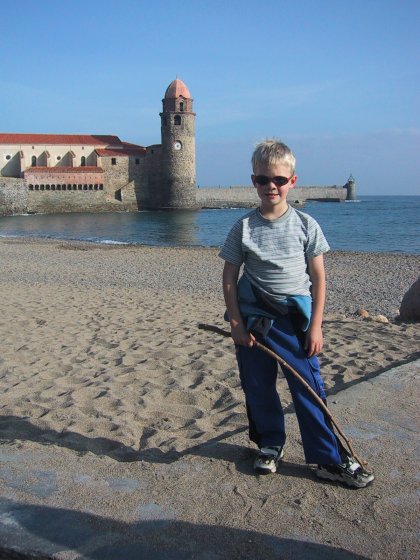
x=258, y=374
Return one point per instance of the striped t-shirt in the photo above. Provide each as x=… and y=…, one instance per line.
x=275, y=252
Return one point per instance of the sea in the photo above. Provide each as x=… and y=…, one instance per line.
x=380, y=224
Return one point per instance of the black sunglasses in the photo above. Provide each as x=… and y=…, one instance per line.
x=278, y=181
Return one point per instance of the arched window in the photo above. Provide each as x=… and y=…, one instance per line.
x=177, y=119
x=33, y=164
x=181, y=106
x=83, y=161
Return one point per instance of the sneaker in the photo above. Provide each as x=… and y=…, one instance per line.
x=350, y=472
x=267, y=459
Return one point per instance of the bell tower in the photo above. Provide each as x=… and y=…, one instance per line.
x=178, y=187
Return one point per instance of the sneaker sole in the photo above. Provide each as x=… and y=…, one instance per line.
x=268, y=470
x=325, y=475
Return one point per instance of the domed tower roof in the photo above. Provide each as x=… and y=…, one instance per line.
x=176, y=89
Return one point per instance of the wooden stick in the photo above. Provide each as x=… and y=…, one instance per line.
x=283, y=363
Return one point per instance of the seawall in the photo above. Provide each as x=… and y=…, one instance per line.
x=244, y=197
x=13, y=196
x=17, y=197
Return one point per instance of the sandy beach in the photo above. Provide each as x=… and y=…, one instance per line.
x=101, y=352
x=102, y=341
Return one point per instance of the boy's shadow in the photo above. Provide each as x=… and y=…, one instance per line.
x=16, y=428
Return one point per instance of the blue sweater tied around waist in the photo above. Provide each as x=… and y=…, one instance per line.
x=261, y=318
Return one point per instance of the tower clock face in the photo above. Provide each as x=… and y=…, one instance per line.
x=177, y=145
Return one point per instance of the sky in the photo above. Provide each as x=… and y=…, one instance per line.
x=336, y=81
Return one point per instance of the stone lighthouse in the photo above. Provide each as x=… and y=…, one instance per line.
x=178, y=183
x=351, y=188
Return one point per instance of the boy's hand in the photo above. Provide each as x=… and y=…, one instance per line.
x=241, y=336
x=314, y=341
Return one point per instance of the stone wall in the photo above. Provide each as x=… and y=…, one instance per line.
x=52, y=176
x=149, y=179
x=108, y=188
x=220, y=197
x=13, y=196
x=57, y=202
x=116, y=174
x=247, y=196
x=120, y=175
x=54, y=192
x=333, y=193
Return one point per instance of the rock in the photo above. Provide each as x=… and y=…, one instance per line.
x=362, y=313
x=380, y=319
x=410, y=305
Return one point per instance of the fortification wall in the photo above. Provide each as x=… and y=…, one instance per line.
x=13, y=196
x=58, y=201
x=111, y=187
x=116, y=175
x=333, y=193
x=120, y=180
x=148, y=181
x=247, y=196
x=53, y=177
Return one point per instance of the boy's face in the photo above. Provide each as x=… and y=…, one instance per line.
x=273, y=197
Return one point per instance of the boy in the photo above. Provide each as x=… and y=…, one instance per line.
x=280, y=300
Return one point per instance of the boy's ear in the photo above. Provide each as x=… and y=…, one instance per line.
x=253, y=181
x=293, y=181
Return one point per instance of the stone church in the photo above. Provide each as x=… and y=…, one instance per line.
x=93, y=173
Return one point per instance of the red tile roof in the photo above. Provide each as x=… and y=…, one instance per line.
x=60, y=139
x=65, y=169
x=132, y=146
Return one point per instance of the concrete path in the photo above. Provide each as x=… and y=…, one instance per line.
x=206, y=504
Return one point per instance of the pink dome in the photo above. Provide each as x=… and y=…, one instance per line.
x=176, y=89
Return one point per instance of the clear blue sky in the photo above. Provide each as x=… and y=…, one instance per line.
x=337, y=81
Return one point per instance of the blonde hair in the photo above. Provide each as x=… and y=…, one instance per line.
x=273, y=151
